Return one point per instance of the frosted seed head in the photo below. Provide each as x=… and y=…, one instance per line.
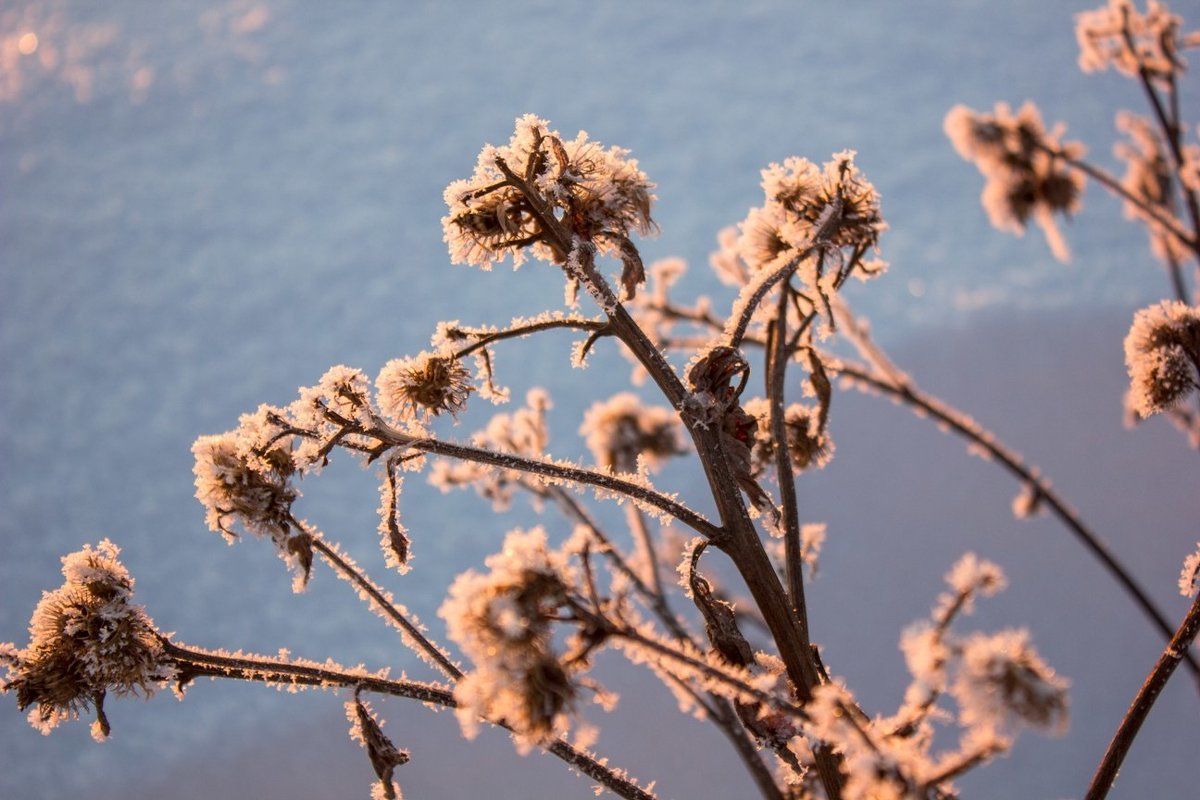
x=1123, y=38
x=428, y=384
x=1002, y=683
x=236, y=489
x=1026, y=177
x=1189, y=576
x=1161, y=353
x=87, y=640
x=596, y=194
x=620, y=430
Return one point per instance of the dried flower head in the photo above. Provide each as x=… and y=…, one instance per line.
x=1148, y=179
x=806, y=206
x=599, y=194
x=1002, y=682
x=385, y=757
x=430, y=384
x=1189, y=576
x=808, y=444
x=621, y=429
x=237, y=485
x=240, y=485
x=1162, y=354
x=503, y=622
x=1119, y=36
x=86, y=639
x=1024, y=166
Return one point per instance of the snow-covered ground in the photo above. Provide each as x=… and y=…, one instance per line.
x=203, y=207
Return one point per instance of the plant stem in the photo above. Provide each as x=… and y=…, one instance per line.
x=556, y=472
x=1127, y=731
x=777, y=361
x=197, y=663
x=737, y=535
x=377, y=597
x=486, y=338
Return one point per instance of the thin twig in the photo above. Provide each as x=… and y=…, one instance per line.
x=778, y=358
x=960, y=424
x=1139, y=709
x=559, y=472
x=485, y=338
x=197, y=663
x=381, y=601
x=1109, y=182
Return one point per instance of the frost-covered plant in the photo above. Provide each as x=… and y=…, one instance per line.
x=553, y=596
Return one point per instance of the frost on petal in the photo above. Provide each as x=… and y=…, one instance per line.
x=368, y=731
x=393, y=536
x=1162, y=351
x=87, y=640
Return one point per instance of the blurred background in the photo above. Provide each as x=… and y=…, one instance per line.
x=204, y=206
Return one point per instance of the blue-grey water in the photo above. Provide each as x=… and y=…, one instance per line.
x=203, y=206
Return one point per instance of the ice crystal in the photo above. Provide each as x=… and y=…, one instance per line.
x=1189, y=576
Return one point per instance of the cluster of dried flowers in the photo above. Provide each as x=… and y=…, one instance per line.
x=529, y=626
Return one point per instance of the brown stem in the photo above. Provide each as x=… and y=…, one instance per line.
x=486, y=338
x=1169, y=223
x=700, y=665
x=777, y=362
x=1127, y=731
x=719, y=710
x=377, y=597
x=197, y=663
x=396, y=438
x=1169, y=122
